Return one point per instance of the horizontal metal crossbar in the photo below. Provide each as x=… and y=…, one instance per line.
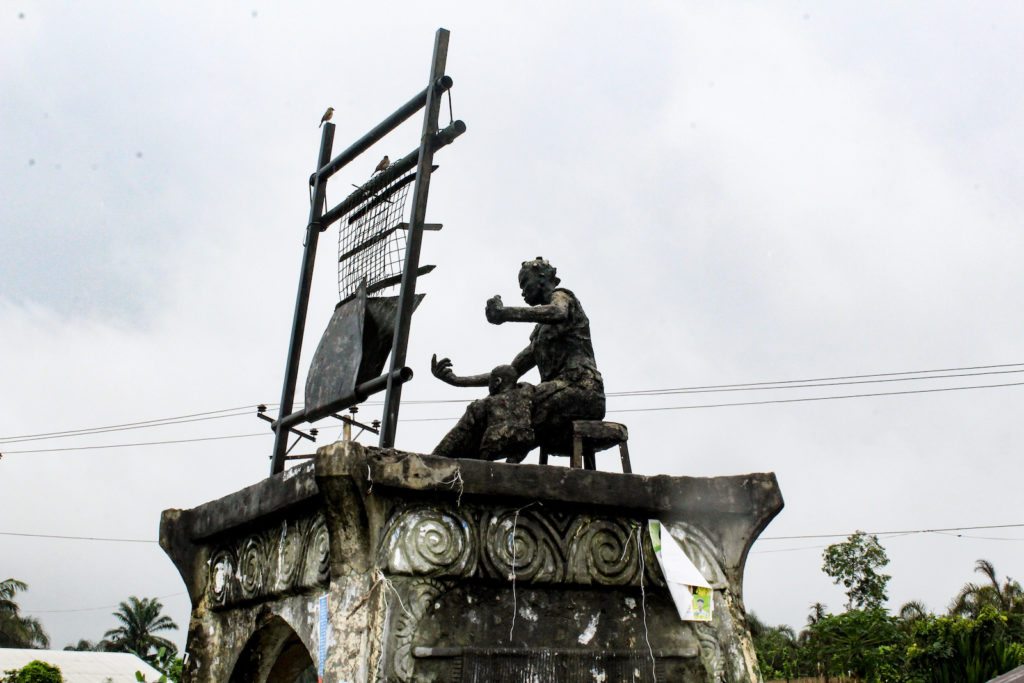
x=406, y=163
x=360, y=394
x=381, y=129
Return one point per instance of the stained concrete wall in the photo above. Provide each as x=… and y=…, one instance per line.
x=462, y=570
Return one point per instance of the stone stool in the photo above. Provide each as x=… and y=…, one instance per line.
x=590, y=437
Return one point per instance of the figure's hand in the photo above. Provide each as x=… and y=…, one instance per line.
x=442, y=369
x=495, y=310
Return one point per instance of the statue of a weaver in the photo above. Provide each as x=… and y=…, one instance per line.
x=516, y=417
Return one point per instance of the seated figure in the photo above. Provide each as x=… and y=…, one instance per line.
x=570, y=389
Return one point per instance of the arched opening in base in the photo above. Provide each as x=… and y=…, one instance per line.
x=274, y=654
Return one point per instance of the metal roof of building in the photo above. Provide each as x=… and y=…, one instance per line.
x=82, y=667
x=1013, y=676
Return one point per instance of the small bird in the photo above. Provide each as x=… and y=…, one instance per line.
x=327, y=116
x=384, y=163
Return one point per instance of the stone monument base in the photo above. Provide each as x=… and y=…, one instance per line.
x=378, y=565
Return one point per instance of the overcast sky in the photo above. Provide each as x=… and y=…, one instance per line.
x=737, y=193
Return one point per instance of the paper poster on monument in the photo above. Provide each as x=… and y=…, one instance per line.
x=689, y=589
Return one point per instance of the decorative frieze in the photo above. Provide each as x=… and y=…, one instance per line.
x=529, y=544
x=284, y=558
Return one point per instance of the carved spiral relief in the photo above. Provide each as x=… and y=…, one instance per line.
x=320, y=551
x=419, y=595
x=523, y=546
x=291, y=554
x=534, y=544
x=604, y=551
x=222, y=570
x=252, y=568
x=429, y=541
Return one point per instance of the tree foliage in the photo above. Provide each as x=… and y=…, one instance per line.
x=955, y=649
x=973, y=598
x=865, y=643
x=853, y=563
x=16, y=629
x=34, y=672
x=140, y=620
x=981, y=637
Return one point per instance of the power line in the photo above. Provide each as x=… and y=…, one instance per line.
x=748, y=386
x=93, y=609
x=900, y=532
x=154, y=422
x=830, y=379
x=620, y=410
x=141, y=443
x=80, y=538
x=891, y=534
x=106, y=430
x=759, y=387
x=772, y=401
x=817, y=398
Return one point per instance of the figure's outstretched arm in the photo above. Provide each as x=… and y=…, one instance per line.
x=442, y=369
x=524, y=361
x=554, y=312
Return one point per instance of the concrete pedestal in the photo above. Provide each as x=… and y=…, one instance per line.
x=392, y=566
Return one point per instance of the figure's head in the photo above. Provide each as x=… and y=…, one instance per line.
x=537, y=280
x=502, y=379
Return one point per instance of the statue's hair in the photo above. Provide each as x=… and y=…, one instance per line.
x=541, y=266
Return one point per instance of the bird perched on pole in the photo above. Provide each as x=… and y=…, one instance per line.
x=384, y=163
x=327, y=116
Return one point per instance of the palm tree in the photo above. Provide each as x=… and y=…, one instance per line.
x=1007, y=597
x=913, y=610
x=818, y=612
x=17, y=630
x=140, y=621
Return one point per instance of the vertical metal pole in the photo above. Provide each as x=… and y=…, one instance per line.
x=407, y=296
x=291, y=372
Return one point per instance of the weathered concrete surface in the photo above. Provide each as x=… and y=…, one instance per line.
x=463, y=570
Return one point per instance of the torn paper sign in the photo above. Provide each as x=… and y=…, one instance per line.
x=689, y=589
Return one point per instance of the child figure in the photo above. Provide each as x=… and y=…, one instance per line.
x=509, y=431
x=498, y=426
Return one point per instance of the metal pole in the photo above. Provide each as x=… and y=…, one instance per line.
x=291, y=372
x=407, y=296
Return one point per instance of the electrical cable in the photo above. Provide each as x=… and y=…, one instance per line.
x=901, y=532
x=751, y=386
x=620, y=410
x=95, y=609
x=107, y=430
x=818, y=398
x=890, y=534
x=77, y=432
x=126, y=445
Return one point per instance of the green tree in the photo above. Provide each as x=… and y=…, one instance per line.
x=972, y=598
x=34, y=672
x=776, y=648
x=853, y=563
x=140, y=621
x=17, y=630
x=84, y=645
x=955, y=649
x=865, y=643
